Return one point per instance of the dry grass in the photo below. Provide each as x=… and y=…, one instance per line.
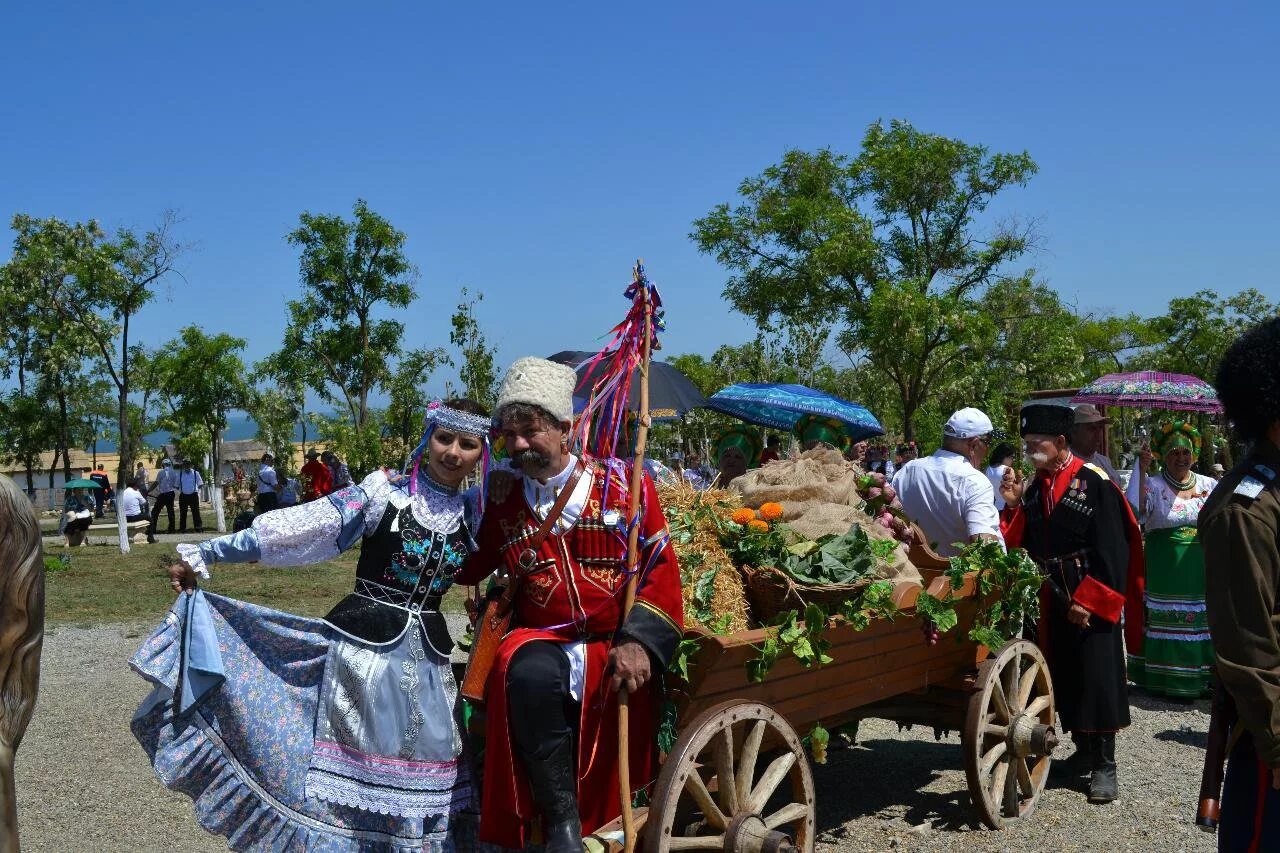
x=101, y=585
x=703, y=553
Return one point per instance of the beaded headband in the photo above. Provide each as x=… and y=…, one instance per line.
x=442, y=416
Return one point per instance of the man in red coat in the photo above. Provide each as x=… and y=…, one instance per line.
x=551, y=739
x=317, y=481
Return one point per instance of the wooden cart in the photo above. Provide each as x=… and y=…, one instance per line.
x=738, y=777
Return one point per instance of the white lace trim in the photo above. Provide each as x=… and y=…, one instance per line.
x=191, y=554
x=436, y=511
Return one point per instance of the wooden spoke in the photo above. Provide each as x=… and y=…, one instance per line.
x=698, y=790
x=769, y=781
x=996, y=788
x=723, y=746
x=701, y=842
x=786, y=814
x=709, y=782
x=991, y=756
x=1024, y=777
x=1014, y=680
x=747, y=758
x=999, y=702
x=1010, y=796
x=1027, y=684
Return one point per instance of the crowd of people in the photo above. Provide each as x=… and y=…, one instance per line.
x=352, y=720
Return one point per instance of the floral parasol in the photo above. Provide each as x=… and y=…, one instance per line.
x=1149, y=389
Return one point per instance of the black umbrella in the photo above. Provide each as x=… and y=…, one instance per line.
x=671, y=394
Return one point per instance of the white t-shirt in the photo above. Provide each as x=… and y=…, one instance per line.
x=131, y=501
x=995, y=473
x=949, y=498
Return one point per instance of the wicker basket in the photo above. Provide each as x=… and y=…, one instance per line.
x=771, y=591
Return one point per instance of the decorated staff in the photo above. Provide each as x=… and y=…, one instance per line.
x=595, y=599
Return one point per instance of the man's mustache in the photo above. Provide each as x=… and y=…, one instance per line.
x=530, y=459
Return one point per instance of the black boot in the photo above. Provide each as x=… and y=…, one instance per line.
x=555, y=791
x=1103, y=785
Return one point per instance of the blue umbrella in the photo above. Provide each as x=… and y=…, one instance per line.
x=780, y=406
x=671, y=394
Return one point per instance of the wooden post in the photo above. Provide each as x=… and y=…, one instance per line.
x=633, y=561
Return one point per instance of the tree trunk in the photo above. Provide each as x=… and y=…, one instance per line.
x=64, y=440
x=215, y=486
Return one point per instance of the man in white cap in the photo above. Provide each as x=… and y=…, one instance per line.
x=946, y=493
x=1088, y=434
x=551, y=743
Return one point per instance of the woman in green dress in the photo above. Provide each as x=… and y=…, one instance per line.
x=1176, y=657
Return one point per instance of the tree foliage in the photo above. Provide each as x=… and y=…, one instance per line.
x=888, y=243
x=350, y=270
x=477, y=373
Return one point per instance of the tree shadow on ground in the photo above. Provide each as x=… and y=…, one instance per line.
x=1186, y=737
x=878, y=775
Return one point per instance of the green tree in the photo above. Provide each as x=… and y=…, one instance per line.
x=114, y=280
x=1196, y=330
x=350, y=270
x=887, y=243
x=476, y=371
x=402, y=421
x=275, y=414
x=202, y=380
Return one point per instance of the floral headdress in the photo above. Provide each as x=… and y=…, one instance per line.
x=827, y=430
x=440, y=415
x=742, y=437
x=1171, y=435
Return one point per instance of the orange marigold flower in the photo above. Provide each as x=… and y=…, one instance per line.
x=771, y=511
x=755, y=525
x=742, y=515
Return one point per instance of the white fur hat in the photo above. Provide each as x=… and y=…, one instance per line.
x=541, y=383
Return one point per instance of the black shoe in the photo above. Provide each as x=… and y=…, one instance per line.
x=151, y=540
x=553, y=782
x=1104, y=787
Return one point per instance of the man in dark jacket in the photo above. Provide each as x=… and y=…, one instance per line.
x=1239, y=529
x=1077, y=526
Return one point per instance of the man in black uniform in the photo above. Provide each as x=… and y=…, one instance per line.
x=1077, y=526
x=1240, y=531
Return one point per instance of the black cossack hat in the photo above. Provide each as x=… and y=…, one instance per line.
x=1046, y=419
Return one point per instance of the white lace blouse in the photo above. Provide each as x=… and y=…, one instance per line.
x=1164, y=507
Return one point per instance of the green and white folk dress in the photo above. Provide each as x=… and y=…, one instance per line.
x=1177, y=654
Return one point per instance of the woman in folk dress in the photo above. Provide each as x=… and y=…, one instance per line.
x=335, y=734
x=1176, y=655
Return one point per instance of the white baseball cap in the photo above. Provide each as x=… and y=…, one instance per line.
x=968, y=423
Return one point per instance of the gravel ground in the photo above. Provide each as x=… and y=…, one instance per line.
x=84, y=783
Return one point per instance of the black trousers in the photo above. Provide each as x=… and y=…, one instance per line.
x=265, y=502
x=542, y=711
x=164, y=501
x=189, y=502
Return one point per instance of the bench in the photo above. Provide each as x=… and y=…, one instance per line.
x=135, y=528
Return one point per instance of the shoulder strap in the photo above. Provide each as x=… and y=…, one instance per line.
x=540, y=535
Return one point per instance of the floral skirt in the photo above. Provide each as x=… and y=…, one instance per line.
x=1177, y=653
x=290, y=735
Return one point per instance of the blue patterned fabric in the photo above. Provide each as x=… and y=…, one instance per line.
x=779, y=406
x=242, y=752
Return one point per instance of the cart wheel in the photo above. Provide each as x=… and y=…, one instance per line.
x=1009, y=737
x=710, y=794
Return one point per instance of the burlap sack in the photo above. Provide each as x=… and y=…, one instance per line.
x=819, y=497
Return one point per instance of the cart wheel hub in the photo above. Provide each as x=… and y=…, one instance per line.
x=748, y=834
x=1027, y=736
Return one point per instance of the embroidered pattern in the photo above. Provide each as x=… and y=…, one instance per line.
x=409, y=684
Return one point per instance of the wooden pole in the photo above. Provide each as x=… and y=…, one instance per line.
x=633, y=560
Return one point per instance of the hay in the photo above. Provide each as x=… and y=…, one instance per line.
x=819, y=497
x=704, y=554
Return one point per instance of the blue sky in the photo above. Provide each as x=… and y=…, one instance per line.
x=532, y=151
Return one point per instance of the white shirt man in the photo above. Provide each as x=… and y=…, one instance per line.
x=951, y=500
x=131, y=501
x=267, y=478
x=1088, y=432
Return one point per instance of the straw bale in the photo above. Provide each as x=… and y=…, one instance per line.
x=704, y=553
